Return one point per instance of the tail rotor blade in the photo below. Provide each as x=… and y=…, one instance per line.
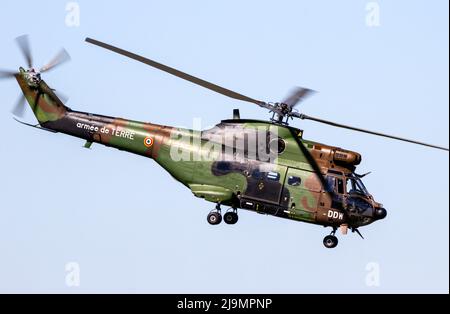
x=19, y=108
x=60, y=58
x=24, y=45
x=4, y=74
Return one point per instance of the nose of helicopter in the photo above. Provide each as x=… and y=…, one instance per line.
x=380, y=213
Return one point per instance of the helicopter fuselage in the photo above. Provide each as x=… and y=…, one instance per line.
x=277, y=181
x=255, y=165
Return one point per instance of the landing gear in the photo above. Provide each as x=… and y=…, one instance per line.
x=215, y=216
x=331, y=241
x=231, y=217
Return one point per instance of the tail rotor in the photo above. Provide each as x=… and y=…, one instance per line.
x=31, y=75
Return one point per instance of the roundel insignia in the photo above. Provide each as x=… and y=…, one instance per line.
x=148, y=142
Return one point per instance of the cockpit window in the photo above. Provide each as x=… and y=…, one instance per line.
x=351, y=184
x=355, y=185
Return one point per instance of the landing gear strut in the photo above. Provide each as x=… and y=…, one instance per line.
x=215, y=216
x=231, y=217
x=331, y=241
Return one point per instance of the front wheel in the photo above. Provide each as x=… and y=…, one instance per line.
x=330, y=241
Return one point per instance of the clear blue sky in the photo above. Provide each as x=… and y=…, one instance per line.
x=132, y=228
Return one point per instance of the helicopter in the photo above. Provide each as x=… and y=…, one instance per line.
x=264, y=166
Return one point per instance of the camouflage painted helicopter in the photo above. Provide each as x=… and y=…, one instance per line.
x=262, y=166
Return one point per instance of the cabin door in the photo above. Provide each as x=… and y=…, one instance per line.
x=265, y=184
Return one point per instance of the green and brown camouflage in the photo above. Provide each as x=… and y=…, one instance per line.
x=295, y=179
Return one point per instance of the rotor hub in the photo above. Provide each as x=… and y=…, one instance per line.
x=32, y=76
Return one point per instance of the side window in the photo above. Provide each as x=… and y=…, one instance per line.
x=294, y=181
x=335, y=185
x=223, y=166
x=273, y=176
x=340, y=186
x=257, y=174
x=330, y=183
x=277, y=145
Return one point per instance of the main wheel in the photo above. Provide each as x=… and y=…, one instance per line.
x=214, y=218
x=231, y=218
x=330, y=241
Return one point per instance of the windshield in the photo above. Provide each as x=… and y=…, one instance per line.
x=355, y=185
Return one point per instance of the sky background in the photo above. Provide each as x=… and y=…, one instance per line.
x=131, y=228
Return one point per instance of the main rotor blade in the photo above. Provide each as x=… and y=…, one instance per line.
x=19, y=108
x=177, y=73
x=305, y=117
x=6, y=74
x=313, y=163
x=60, y=58
x=297, y=95
x=24, y=45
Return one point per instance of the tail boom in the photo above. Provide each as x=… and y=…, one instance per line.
x=140, y=138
